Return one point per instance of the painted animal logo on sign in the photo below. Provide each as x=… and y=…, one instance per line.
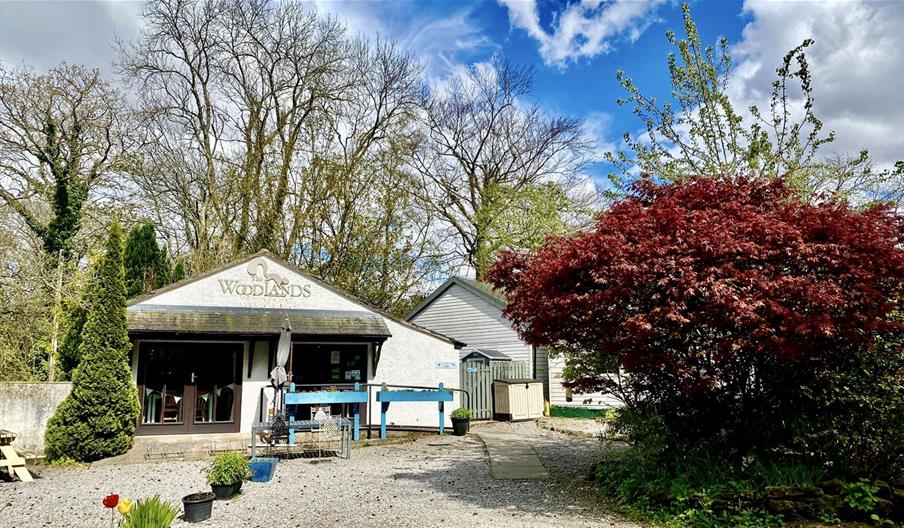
x=264, y=283
x=261, y=264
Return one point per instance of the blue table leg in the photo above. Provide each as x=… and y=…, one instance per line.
x=384, y=406
x=357, y=434
x=291, y=429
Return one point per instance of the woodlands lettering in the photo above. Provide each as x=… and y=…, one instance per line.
x=264, y=289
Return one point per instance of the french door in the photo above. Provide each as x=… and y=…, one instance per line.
x=188, y=387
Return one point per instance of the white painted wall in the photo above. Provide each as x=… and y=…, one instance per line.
x=25, y=409
x=557, y=394
x=471, y=319
x=541, y=369
x=410, y=358
x=251, y=386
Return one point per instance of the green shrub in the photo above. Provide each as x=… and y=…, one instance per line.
x=97, y=419
x=696, y=490
x=227, y=469
x=462, y=413
x=860, y=496
x=150, y=513
x=856, y=413
x=791, y=474
x=65, y=462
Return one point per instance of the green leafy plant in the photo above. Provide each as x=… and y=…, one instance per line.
x=829, y=518
x=462, y=413
x=228, y=469
x=860, y=496
x=150, y=513
x=878, y=520
x=65, y=462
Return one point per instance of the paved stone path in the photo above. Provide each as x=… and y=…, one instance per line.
x=512, y=456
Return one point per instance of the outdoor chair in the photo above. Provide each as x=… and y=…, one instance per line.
x=329, y=431
x=279, y=432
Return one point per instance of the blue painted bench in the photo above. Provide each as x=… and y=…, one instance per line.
x=385, y=397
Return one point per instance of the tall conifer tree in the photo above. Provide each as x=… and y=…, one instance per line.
x=98, y=418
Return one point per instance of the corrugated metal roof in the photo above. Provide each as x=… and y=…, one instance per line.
x=222, y=320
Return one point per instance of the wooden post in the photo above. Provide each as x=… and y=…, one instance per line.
x=291, y=417
x=442, y=414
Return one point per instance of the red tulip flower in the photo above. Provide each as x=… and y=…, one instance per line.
x=110, y=501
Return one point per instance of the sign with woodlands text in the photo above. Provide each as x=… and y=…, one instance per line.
x=263, y=283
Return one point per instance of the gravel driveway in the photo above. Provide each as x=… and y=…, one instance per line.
x=433, y=480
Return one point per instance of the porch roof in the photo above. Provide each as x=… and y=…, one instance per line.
x=144, y=318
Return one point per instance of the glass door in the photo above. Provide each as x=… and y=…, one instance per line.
x=189, y=387
x=216, y=378
x=163, y=380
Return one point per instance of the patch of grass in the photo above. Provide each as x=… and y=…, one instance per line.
x=65, y=462
x=576, y=412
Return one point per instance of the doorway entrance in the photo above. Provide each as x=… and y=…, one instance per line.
x=188, y=387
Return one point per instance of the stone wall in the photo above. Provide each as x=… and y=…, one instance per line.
x=25, y=409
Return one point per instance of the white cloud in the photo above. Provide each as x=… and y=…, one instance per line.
x=856, y=65
x=598, y=129
x=439, y=40
x=44, y=34
x=584, y=29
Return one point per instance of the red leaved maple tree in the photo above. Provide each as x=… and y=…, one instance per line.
x=720, y=298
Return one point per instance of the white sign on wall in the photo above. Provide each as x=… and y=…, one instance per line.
x=263, y=283
x=446, y=365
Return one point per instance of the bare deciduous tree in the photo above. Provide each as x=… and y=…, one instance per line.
x=61, y=134
x=481, y=134
x=272, y=128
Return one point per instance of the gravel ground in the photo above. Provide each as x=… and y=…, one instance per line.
x=576, y=426
x=433, y=480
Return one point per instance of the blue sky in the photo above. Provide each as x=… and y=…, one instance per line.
x=448, y=35
x=575, y=48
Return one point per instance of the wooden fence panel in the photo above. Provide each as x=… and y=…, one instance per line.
x=510, y=370
x=477, y=379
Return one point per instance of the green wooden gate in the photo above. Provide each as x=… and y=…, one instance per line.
x=477, y=378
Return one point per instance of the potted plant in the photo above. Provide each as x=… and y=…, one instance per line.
x=226, y=474
x=198, y=506
x=461, y=421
